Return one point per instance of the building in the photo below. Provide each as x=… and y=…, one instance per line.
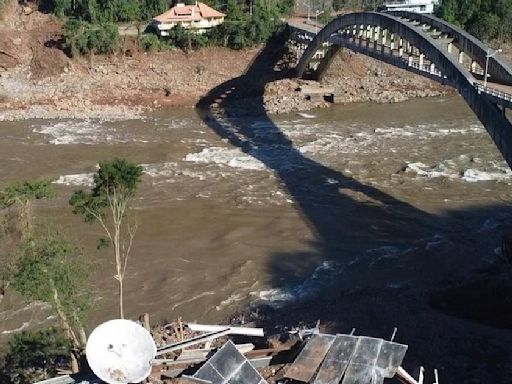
x=199, y=18
x=418, y=6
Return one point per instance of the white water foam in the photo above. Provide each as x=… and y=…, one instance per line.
x=76, y=132
x=475, y=175
x=428, y=172
x=221, y=156
x=322, y=276
x=76, y=180
x=457, y=170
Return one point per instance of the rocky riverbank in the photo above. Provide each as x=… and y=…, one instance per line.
x=353, y=78
x=37, y=80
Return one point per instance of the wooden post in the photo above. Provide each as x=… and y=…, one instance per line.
x=145, y=321
x=421, y=375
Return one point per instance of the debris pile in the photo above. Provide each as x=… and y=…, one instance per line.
x=189, y=353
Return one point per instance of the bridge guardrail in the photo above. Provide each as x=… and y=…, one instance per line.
x=494, y=92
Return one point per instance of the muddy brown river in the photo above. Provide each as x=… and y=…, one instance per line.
x=397, y=198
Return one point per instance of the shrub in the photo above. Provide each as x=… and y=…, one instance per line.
x=80, y=37
x=150, y=42
x=34, y=356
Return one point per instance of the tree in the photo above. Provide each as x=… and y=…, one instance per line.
x=115, y=185
x=16, y=218
x=49, y=267
x=486, y=19
x=82, y=37
x=21, y=195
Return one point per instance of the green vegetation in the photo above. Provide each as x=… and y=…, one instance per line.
x=243, y=27
x=486, y=19
x=81, y=37
x=108, y=203
x=91, y=27
x=49, y=267
x=105, y=11
x=20, y=196
x=34, y=356
x=351, y=5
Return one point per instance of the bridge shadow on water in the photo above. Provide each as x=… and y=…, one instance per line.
x=380, y=264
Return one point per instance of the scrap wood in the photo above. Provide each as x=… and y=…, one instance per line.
x=404, y=376
x=235, y=330
x=193, y=341
x=257, y=353
x=192, y=356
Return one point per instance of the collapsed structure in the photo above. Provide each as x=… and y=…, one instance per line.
x=203, y=354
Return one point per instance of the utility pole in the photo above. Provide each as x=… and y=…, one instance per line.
x=487, y=57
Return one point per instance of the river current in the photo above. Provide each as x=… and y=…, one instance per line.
x=393, y=197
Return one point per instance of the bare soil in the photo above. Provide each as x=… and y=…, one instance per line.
x=38, y=80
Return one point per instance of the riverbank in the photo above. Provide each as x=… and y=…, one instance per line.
x=120, y=88
x=37, y=80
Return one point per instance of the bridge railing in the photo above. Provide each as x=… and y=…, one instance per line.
x=494, y=92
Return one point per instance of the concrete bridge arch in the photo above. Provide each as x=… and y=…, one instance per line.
x=377, y=30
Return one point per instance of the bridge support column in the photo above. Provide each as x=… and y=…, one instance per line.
x=432, y=69
x=376, y=37
x=461, y=57
x=400, y=52
x=392, y=42
x=384, y=36
x=360, y=31
x=411, y=61
x=474, y=66
x=354, y=33
x=450, y=47
x=376, y=34
x=398, y=41
x=422, y=59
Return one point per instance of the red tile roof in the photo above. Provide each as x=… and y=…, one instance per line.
x=188, y=13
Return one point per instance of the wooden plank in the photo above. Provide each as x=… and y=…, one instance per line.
x=194, y=356
x=246, y=331
x=193, y=341
x=266, y=352
x=191, y=354
x=261, y=362
x=185, y=379
x=404, y=377
x=58, y=380
x=310, y=358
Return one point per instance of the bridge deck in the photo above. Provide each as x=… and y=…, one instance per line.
x=500, y=93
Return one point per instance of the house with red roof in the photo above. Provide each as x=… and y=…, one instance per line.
x=199, y=18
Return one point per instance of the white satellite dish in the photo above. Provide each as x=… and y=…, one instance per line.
x=120, y=352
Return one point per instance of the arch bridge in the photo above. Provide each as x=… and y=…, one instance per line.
x=422, y=44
